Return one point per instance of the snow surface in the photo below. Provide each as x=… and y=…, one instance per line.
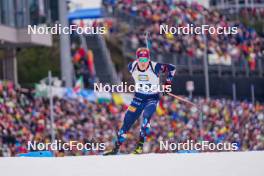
x=198, y=164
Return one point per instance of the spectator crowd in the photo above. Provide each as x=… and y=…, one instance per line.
x=244, y=47
x=24, y=118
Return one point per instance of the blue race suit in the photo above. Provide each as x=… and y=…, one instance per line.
x=144, y=100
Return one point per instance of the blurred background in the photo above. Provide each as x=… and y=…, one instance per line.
x=47, y=80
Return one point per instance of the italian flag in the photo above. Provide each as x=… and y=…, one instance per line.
x=78, y=85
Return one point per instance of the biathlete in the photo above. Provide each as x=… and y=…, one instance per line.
x=146, y=75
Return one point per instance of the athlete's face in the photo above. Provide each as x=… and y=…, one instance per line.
x=143, y=65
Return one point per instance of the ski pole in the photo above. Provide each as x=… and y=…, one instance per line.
x=146, y=40
x=183, y=100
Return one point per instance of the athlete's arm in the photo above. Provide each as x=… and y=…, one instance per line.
x=131, y=66
x=166, y=68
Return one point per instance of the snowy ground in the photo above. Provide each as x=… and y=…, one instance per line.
x=206, y=164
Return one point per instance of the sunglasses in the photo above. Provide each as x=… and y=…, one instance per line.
x=143, y=60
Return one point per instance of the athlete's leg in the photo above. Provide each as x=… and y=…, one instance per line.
x=150, y=108
x=132, y=114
